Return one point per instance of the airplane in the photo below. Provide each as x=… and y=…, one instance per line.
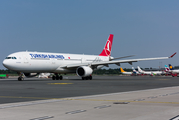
x=60, y=63
x=150, y=72
x=173, y=71
x=44, y=75
x=135, y=72
x=124, y=72
x=167, y=71
x=167, y=68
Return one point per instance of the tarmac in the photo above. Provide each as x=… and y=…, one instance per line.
x=104, y=97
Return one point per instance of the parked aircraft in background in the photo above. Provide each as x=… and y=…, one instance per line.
x=135, y=72
x=173, y=71
x=167, y=71
x=125, y=73
x=61, y=63
x=44, y=75
x=150, y=72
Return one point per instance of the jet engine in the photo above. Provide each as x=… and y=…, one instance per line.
x=30, y=74
x=84, y=71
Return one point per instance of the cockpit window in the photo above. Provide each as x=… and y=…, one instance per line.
x=11, y=58
x=8, y=57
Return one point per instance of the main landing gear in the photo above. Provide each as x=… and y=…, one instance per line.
x=87, y=78
x=57, y=77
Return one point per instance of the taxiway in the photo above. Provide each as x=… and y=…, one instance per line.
x=104, y=97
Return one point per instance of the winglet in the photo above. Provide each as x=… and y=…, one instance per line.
x=173, y=55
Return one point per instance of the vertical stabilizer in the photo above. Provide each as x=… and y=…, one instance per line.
x=171, y=67
x=122, y=70
x=108, y=46
x=167, y=68
x=140, y=70
x=133, y=69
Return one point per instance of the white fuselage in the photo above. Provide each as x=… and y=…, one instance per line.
x=28, y=62
x=150, y=72
x=127, y=73
x=174, y=71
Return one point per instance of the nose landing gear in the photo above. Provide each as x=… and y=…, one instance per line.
x=20, y=78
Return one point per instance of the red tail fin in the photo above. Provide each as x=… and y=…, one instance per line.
x=107, y=48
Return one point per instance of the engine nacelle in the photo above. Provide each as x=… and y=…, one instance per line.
x=84, y=71
x=30, y=74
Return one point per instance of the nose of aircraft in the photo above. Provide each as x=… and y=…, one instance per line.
x=7, y=64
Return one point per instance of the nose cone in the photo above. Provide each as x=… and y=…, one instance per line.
x=8, y=64
x=5, y=63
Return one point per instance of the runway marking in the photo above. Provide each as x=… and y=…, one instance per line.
x=130, y=101
x=59, y=83
x=43, y=118
x=162, y=79
x=76, y=111
x=42, y=98
x=126, y=101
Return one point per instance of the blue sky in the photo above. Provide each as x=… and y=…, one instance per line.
x=145, y=28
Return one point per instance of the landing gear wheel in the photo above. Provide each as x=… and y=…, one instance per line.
x=61, y=77
x=57, y=77
x=87, y=78
x=53, y=77
x=20, y=78
x=90, y=77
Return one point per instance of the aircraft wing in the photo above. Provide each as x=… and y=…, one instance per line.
x=117, y=62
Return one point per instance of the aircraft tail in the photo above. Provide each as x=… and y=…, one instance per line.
x=122, y=70
x=139, y=69
x=108, y=46
x=171, y=67
x=133, y=69
x=166, y=68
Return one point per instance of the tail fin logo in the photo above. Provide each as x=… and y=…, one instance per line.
x=166, y=69
x=171, y=67
x=108, y=46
